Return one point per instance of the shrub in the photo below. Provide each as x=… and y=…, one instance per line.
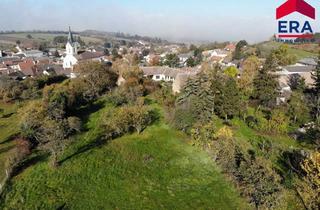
x=309, y=187
x=124, y=120
x=224, y=133
x=260, y=183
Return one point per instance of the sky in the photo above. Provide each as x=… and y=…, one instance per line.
x=179, y=20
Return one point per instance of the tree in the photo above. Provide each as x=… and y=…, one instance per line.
x=126, y=119
x=278, y=122
x=107, y=45
x=298, y=110
x=198, y=56
x=115, y=54
x=171, y=60
x=283, y=57
x=60, y=39
x=43, y=47
x=316, y=77
x=97, y=78
x=260, y=183
x=231, y=72
x=191, y=62
x=56, y=54
x=211, y=92
x=80, y=41
x=309, y=190
x=249, y=71
x=29, y=36
x=106, y=52
x=297, y=83
x=141, y=117
x=155, y=61
x=193, y=47
x=266, y=84
x=227, y=102
x=238, y=54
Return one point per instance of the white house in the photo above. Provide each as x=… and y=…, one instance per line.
x=166, y=74
x=70, y=59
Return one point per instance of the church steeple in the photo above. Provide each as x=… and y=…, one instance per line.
x=70, y=36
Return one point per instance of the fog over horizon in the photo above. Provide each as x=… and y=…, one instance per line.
x=187, y=21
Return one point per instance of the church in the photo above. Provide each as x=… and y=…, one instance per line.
x=71, y=52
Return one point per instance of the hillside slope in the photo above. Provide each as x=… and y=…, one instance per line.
x=155, y=170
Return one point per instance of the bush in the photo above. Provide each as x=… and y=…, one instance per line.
x=225, y=133
x=183, y=119
x=124, y=120
x=260, y=183
x=277, y=123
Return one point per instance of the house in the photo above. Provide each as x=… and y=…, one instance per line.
x=31, y=54
x=303, y=71
x=28, y=68
x=161, y=73
x=53, y=69
x=217, y=54
x=184, y=57
x=90, y=56
x=230, y=47
x=69, y=60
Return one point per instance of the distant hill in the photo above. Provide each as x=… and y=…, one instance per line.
x=300, y=50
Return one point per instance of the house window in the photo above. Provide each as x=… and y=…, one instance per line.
x=157, y=77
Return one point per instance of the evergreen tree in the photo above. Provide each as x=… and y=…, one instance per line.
x=227, y=102
x=266, y=84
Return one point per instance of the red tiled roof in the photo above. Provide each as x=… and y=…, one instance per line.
x=27, y=67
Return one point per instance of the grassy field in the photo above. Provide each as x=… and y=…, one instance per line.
x=9, y=126
x=39, y=37
x=155, y=170
x=267, y=47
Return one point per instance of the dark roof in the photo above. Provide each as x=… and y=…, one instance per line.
x=308, y=61
x=89, y=55
x=17, y=75
x=299, y=69
x=58, y=69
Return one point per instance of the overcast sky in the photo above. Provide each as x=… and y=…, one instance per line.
x=184, y=20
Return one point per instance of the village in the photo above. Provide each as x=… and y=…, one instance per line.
x=27, y=61
x=159, y=105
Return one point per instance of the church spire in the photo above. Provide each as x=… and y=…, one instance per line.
x=70, y=36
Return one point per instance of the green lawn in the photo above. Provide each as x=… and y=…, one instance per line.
x=267, y=47
x=9, y=126
x=155, y=170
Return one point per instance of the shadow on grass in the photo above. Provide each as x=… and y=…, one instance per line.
x=103, y=140
x=84, y=112
x=6, y=116
x=21, y=167
x=9, y=139
x=6, y=149
x=98, y=143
